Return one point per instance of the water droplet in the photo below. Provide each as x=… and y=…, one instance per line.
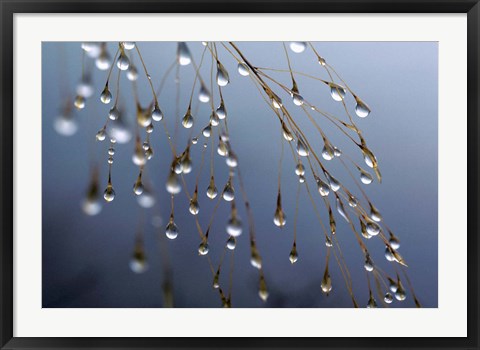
x=255, y=259
x=214, y=119
x=171, y=231
x=91, y=206
x=361, y=109
x=400, y=294
x=323, y=187
x=173, y=184
x=301, y=179
x=207, y=131
x=194, y=208
x=114, y=113
x=372, y=304
x=128, y=45
x=234, y=226
x=394, y=242
x=187, y=120
x=203, y=248
x=299, y=169
x=231, y=242
x=204, y=94
x=297, y=99
x=65, y=125
x=373, y=229
x=85, y=87
x=302, y=148
x=79, y=102
x=106, y=95
x=279, y=219
x=392, y=285
x=365, y=177
x=388, y=254
x=243, y=69
x=321, y=61
x=138, y=156
x=221, y=111
x=277, y=102
x=157, y=114
x=287, y=135
x=328, y=242
x=138, y=186
x=293, y=257
x=93, y=49
x=334, y=184
x=222, y=149
x=110, y=160
x=352, y=201
x=138, y=263
x=231, y=160
x=262, y=291
x=183, y=54
x=328, y=152
x=146, y=199
x=341, y=209
x=298, y=46
x=103, y=61
x=132, y=73
x=228, y=193
x=186, y=164
x=368, y=263
x=369, y=161
x=194, y=140
x=375, y=214
x=101, y=134
x=212, y=189
x=109, y=194
x=337, y=91
x=215, y=283
x=388, y=298
x=123, y=62
x=222, y=75
x=326, y=284
x=337, y=152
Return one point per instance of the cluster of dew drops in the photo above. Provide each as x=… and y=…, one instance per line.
x=119, y=132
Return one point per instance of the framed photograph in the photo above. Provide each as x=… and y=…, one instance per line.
x=246, y=174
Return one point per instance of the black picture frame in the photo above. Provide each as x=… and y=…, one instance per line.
x=9, y=8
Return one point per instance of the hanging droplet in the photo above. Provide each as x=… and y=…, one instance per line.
x=204, y=94
x=194, y=208
x=173, y=184
x=79, y=102
x=203, y=248
x=228, y=193
x=321, y=61
x=123, y=62
x=109, y=194
x=299, y=169
x=363, y=229
x=101, y=134
x=369, y=161
x=138, y=263
x=214, y=119
x=298, y=46
x=400, y=294
x=212, y=189
x=231, y=160
x=394, y=242
x=65, y=124
x=183, y=54
x=187, y=120
x=216, y=278
x=341, y=209
x=157, y=114
x=234, y=226
x=221, y=111
x=323, y=187
x=195, y=140
x=337, y=152
x=222, y=149
x=293, y=257
x=103, y=61
x=287, y=135
x=186, y=162
x=93, y=49
x=85, y=87
x=352, y=201
x=222, y=75
x=368, y=263
x=302, y=148
x=106, y=95
x=92, y=205
x=146, y=199
x=132, y=73
x=114, y=113
x=277, y=102
x=301, y=179
x=372, y=304
x=328, y=152
x=262, y=290
x=243, y=69
x=326, y=284
x=375, y=214
x=361, y=109
x=388, y=298
x=231, y=242
x=207, y=131
x=392, y=285
x=389, y=254
x=373, y=229
x=255, y=259
x=171, y=231
x=328, y=242
x=334, y=184
x=110, y=160
x=337, y=92
x=149, y=153
x=365, y=177
x=297, y=99
x=138, y=186
x=128, y=45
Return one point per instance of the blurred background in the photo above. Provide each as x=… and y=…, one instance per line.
x=86, y=259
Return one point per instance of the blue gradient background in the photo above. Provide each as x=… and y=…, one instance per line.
x=85, y=259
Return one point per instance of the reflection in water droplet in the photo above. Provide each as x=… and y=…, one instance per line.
x=323, y=187
x=337, y=92
x=109, y=194
x=212, y=189
x=388, y=298
x=171, y=231
x=361, y=109
x=373, y=229
x=228, y=192
x=203, y=248
x=231, y=242
x=366, y=178
x=222, y=75
x=114, y=113
x=187, y=120
x=157, y=114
